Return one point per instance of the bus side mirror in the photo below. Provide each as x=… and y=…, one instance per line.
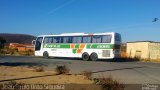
x=33, y=42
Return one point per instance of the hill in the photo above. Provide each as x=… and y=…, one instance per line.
x=17, y=38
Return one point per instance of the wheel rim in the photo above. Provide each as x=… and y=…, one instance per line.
x=94, y=57
x=85, y=57
x=46, y=55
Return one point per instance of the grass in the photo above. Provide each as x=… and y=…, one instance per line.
x=62, y=69
x=108, y=83
x=11, y=85
x=87, y=74
x=14, y=51
x=38, y=69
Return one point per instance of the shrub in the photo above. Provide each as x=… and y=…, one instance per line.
x=2, y=52
x=12, y=51
x=1, y=87
x=87, y=74
x=14, y=85
x=39, y=69
x=62, y=69
x=7, y=50
x=108, y=83
x=131, y=59
x=31, y=52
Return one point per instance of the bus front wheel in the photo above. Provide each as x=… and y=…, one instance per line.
x=93, y=56
x=45, y=54
x=85, y=56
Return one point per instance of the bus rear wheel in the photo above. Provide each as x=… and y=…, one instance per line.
x=85, y=56
x=45, y=54
x=94, y=57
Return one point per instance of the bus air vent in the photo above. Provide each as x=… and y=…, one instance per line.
x=105, y=53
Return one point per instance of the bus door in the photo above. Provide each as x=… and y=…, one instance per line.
x=38, y=43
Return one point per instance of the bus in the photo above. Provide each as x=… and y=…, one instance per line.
x=79, y=45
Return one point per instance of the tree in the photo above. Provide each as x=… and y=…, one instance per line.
x=2, y=42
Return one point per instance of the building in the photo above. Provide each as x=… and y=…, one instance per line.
x=143, y=50
x=21, y=47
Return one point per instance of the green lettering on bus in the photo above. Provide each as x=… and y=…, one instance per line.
x=88, y=46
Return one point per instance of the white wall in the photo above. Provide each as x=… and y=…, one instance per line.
x=138, y=49
x=154, y=50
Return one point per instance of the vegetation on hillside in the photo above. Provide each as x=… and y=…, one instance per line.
x=17, y=38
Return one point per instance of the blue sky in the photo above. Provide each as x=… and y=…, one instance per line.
x=131, y=18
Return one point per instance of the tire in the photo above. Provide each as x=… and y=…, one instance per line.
x=94, y=57
x=45, y=54
x=85, y=56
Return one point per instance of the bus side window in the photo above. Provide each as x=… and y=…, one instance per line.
x=86, y=39
x=106, y=38
x=48, y=40
x=96, y=39
x=79, y=39
x=65, y=40
x=76, y=39
x=45, y=40
x=70, y=39
x=61, y=40
x=56, y=39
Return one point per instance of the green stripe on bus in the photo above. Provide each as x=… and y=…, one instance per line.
x=64, y=46
x=100, y=46
x=88, y=46
x=77, y=46
x=57, y=46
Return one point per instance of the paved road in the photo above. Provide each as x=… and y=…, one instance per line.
x=126, y=72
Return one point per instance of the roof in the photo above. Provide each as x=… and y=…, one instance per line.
x=143, y=41
x=75, y=34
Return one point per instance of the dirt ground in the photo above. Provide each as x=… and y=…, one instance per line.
x=29, y=75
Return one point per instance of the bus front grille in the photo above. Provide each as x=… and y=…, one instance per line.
x=105, y=53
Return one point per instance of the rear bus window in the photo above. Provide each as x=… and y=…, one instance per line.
x=117, y=37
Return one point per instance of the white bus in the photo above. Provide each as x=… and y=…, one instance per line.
x=79, y=45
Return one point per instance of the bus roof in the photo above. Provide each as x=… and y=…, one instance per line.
x=77, y=34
